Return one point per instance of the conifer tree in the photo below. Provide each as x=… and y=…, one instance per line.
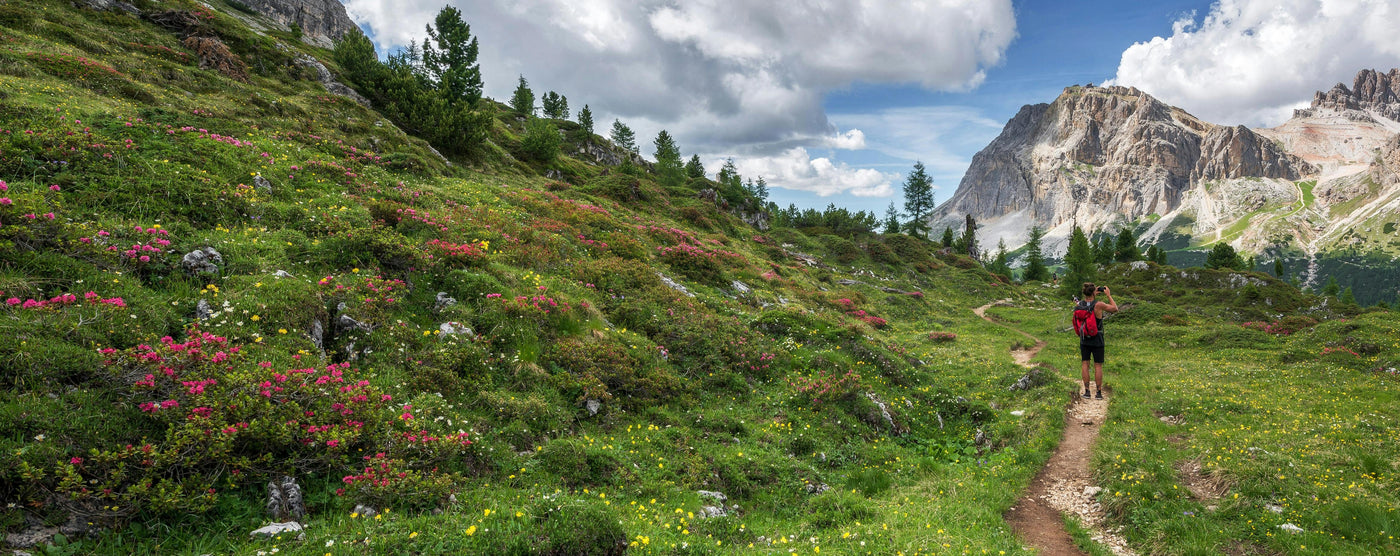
x=1348, y=298
x=999, y=263
x=1125, y=250
x=760, y=189
x=948, y=239
x=1080, y=265
x=1161, y=256
x=449, y=57
x=918, y=200
x=1035, y=271
x=523, y=101
x=554, y=105
x=585, y=120
x=1331, y=288
x=694, y=169
x=1224, y=256
x=1103, y=250
x=623, y=137
x=669, y=169
x=891, y=220
x=1278, y=267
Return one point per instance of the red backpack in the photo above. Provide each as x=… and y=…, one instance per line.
x=1086, y=325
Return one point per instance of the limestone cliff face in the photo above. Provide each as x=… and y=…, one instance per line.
x=1371, y=91
x=1098, y=155
x=322, y=21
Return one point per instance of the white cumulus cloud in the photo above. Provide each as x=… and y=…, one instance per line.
x=1253, y=61
x=720, y=75
x=795, y=169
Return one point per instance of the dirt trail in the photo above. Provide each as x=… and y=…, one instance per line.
x=1064, y=485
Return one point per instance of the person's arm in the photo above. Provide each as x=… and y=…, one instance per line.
x=1108, y=306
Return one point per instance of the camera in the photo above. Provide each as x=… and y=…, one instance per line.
x=1101, y=288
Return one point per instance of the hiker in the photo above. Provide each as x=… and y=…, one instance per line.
x=1088, y=323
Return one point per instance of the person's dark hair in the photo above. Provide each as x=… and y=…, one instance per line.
x=1087, y=290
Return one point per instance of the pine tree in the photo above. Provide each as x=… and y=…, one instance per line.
x=891, y=220
x=523, y=101
x=1035, y=271
x=1224, y=256
x=1161, y=256
x=694, y=169
x=449, y=57
x=760, y=189
x=669, y=169
x=1080, y=265
x=1348, y=298
x=1278, y=267
x=1125, y=250
x=918, y=200
x=585, y=120
x=1331, y=288
x=554, y=105
x=999, y=263
x=623, y=137
x=948, y=239
x=1103, y=250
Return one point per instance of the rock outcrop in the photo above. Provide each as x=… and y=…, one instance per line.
x=1371, y=91
x=1100, y=155
x=321, y=21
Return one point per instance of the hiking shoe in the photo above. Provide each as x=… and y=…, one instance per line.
x=1098, y=395
x=1086, y=391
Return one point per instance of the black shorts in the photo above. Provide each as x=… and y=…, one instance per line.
x=1086, y=351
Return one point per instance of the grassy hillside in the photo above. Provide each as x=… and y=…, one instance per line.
x=838, y=391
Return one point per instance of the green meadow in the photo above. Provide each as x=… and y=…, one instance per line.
x=832, y=383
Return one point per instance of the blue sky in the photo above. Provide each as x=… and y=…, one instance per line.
x=832, y=101
x=1058, y=44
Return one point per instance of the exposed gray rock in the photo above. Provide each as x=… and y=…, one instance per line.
x=817, y=488
x=443, y=302
x=364, y=511
x=455, y=329
x=1138, y=265
x=282, y=274
x=328, y=80
x=277, y=529
x=31, y=537
x=106, y=5
x=317, y=334
x=202, y=311
x=202, y=261
x=1291, y=528
x=1031, y=379
x=321, y=21
x=713, y=495
x=712, y=511
x=674, y=284
x=593, y=406
x=348, y=322
x=740, y=287
x=261, y=183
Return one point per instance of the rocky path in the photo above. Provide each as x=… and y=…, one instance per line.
x=1064, y=485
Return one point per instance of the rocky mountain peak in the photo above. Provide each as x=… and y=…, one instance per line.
x=322, y=21
x=1100, y=155
x=1372, y=91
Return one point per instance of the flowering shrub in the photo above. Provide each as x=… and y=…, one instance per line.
x=824, y=388
x=942, y=337
x=849, y=307
x=387, y=481
x=456, y=254
x=218, y=419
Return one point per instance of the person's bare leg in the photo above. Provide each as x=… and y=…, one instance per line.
x=1084, y=373
x=1098, y=376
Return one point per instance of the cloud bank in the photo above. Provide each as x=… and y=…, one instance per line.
x=725, y=77
x=1252, y=61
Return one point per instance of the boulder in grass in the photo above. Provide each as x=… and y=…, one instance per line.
x=205, y=260
x=275, y=529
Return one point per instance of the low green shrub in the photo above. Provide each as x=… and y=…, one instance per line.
x=837, y=508
x=577, y=464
